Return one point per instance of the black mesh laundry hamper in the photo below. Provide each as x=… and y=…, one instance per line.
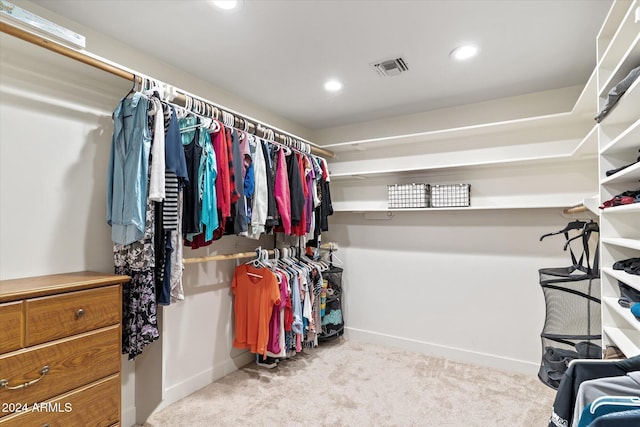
x=332, y=319
x=572, y=326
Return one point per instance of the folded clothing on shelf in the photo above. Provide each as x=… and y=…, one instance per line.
x=626, y=198
x=613, y=352
x=628, y=295
x=621, y=168
x=631, y=266
x=616, y=92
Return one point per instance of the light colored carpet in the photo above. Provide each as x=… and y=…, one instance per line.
x=347, y=383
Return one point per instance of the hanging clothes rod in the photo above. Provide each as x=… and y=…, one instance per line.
x=575, y=210
x=242, y=255
x=240, y=121
x=223, y=257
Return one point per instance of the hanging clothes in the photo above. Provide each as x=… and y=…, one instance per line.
x=296, y=191
x=169, y=283
x=208, y=172
x=131, y=215
x=255, y=291
x=282, y=192
x=139, y=309
x=579, y=372
x=128, y=170
x=157, y=170
x=240, y=219
x=260, y=199
x=272, y=211
x=192, y=152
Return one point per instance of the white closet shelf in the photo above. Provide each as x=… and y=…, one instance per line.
x=357, y=207
x=629, y=279
x=626, y=340
x=624, y=313
x=622, y=242
x=629, y=175
x=624, y=209
x=621, y=45
x=626, y=140
x=523, y=153
x=626, y=109
x=619, y=138
x=527, y=124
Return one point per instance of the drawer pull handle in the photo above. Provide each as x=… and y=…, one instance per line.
x=79, y=313
x=5, y=383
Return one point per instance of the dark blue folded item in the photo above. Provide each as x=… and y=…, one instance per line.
x=628, y=295
x=630, y=265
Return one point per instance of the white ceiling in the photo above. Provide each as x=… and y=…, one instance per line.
x=279, y=53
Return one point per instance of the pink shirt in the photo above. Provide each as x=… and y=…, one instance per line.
x=275, y=324
x=281, y=191
x=223, y=192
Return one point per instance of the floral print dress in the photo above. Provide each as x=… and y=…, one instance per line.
x=139, y=309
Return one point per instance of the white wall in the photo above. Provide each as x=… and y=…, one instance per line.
x=462, y=285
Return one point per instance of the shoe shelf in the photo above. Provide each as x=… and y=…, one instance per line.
x=625, y=339
x=623, y=209
x=621, y=327
x=625, y=141
x=618, y=50
x=519, y=185
x=629, y=177
x=630, y=279
x=622, y=242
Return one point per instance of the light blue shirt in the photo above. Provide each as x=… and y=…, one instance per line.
x=208, y=172
x=128, y=169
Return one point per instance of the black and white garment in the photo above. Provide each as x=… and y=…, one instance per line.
x=139, y=309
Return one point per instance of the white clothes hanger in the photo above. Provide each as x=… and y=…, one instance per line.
x=629, y=401
x=214, y=127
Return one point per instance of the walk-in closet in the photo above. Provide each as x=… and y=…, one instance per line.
x=355, y=212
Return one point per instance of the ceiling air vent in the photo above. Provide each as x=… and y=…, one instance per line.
x=391, y=67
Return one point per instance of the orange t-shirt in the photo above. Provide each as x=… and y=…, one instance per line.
x=253, y=304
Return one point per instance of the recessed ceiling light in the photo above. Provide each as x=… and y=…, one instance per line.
x=332, y=85
x=226, y=4
x=464, y=52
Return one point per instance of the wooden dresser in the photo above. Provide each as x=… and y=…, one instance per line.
x=60, y=342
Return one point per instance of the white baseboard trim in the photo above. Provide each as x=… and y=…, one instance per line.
x=458, y=354
x=194, y=383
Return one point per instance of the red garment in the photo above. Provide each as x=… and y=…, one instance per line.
x=223, y=192
x=288, y=314
x=325, y=170
x=281, y=191
x=198, y=241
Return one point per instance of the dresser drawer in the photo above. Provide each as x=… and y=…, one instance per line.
x=11, y=326
x=63, y=315
x=72, y=363
x=97, y=404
